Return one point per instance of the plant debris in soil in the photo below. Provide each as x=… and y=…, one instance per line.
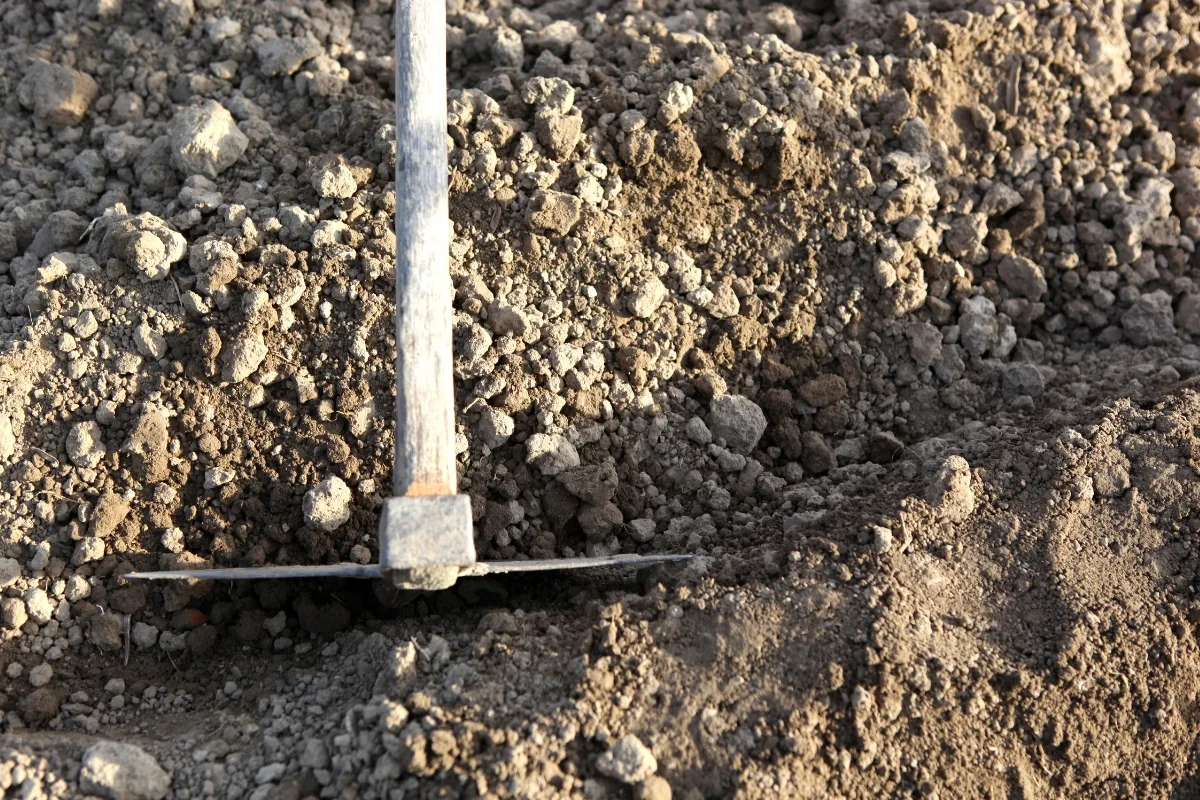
x=883, y=311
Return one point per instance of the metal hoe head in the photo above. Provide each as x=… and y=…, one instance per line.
x=426, y=535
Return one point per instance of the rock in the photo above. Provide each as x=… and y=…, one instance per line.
x=284, y=55
x=109, y=512
x=1022, y=379
x=8, y=439
x=145, y=243
x=924, y=343
x=495, y=427
x=10, y=572
x=697, y=431
x=738, y=420
x=950, y=493
x=1023, y=277
x=599, y=520
x=335, y=181
x=628, y=761
x=595, y=483
x=553, y=211
x=122, y=772
x=38, y=707
x=144, y=636
x=149, y=342
x=676, y=101
x=327, y=505
x=205, y=140
x=1150, y=320
x=85, y=447
x=12, y=613
x=551, y=453
x=646, y=298
x=38, y=605
x=558, y=133
x=548, y=95
x=40, y=675
x=641, y=530
x=57, y=95
x=104, y=631
x=816, y=456
x=215, y=264
x=244, y=356
x=823, y=391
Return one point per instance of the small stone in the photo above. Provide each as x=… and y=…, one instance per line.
x=924, y=343
x=653, y=788
x=823, y=391
x=85, y=447
x=551, y=453
x=950, y=493
x=553, y=211
x=645, y=299
x=1023, y=277
x=215, y=477
x=12, y=613
x=149, y=342
x=641, y=530
x=122, y=772
x=215, y=264
x=59, y=96
x=1021, y=379
x=144, y=635
x=881, y=539
x=336, y=181
x=548, y=94
x=10, y=572
x=558, y=133
x=738, y=420
x=39, y=706
x=495, y=427
x=676, y=101
x=697, y=431
x=40, y=675
x=38, y=605
x=109, y=512
x=244, y=356
x=284, y=55
x=598, y=521
x=87, y=550
x=816, y=456
x=327, y=505
x=314, y=754
x=1151, y=320
x=205, y=140
x=628, y=761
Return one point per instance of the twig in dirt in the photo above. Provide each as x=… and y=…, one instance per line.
x=125, y=631
x=1013, y=89
x=45, y=455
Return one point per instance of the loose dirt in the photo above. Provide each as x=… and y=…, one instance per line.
x=884, y=312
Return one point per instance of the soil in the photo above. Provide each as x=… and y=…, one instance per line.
x=883, y=312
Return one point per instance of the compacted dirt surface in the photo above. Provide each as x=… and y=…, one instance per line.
x=884, y=312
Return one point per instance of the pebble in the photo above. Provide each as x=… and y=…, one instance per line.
x=646, y=298
x=59, y=96
x=1150, y=320
x=85, y=445
x=144, y=635
x=38, y=605
x=551, y=453
x=244, y=356
x=628, y=761
x=327, y=505
x=40, y=675
x=205, y=140
x=494, y=427
x=738, y=420
x=12, y=613
x=284, y=55
x=122, y=772
x=10, y=572
x=335, y=181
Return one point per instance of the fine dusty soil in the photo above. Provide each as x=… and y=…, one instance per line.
x=884, y=312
